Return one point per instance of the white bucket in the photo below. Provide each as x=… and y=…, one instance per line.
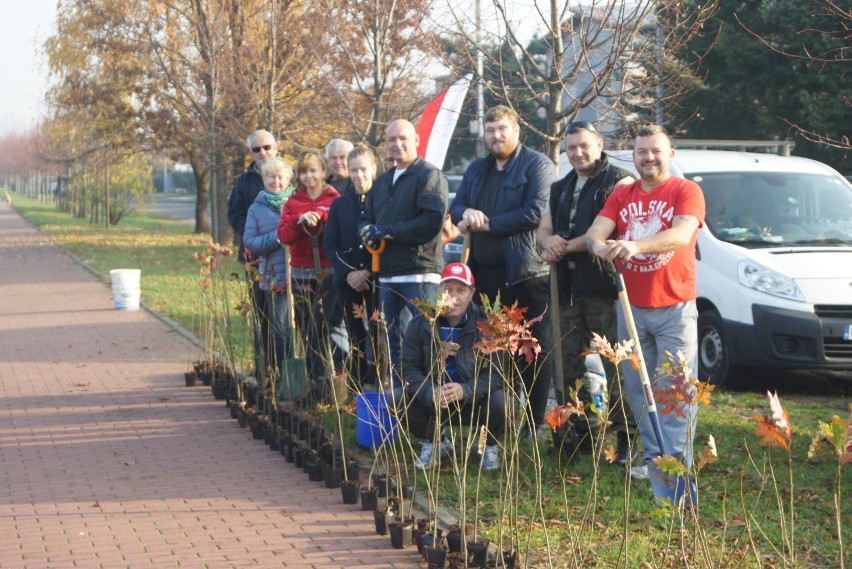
x=125, y=288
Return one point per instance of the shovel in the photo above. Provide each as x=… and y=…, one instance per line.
x=381, y=358
x=671, y=487
x=294, y=374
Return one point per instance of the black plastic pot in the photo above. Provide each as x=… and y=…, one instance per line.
x=349, y=489
x=314, y=469
x=189, y=377
x=381, y=521
x=478, y=551
x=332, y=477
x=256, y=427
x=400, y=535
x=435, y=555
x=454, y=541
x=369, y=498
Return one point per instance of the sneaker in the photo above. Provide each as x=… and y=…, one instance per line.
x=447, y=448
x=640, y=472
x=425, y=460
x=490, y=458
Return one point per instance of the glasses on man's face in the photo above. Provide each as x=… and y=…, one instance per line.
x=257, y=149
x=578, y=126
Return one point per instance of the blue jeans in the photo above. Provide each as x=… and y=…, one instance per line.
x=672, y=329
x=394, y=303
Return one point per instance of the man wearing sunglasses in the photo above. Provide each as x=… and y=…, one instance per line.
x=587, y=295
x=246, y=188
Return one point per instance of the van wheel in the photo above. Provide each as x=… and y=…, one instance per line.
x=714, y=358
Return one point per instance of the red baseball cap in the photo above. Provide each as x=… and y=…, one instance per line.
x=457, y=272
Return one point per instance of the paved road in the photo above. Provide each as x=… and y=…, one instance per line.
x=173, y=206
x=108, y=461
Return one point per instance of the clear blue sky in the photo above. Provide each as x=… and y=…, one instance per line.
x=23, y=27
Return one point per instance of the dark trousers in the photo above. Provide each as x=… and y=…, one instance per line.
x=587, y=314
x=535, y=295
x=359, y=345
x=262, y=332
x=425, y=424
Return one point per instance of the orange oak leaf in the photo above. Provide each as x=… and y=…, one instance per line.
x=769, y=433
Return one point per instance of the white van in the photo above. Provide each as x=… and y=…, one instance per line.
x=774, y=261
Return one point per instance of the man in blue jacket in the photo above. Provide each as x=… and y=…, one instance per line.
x=248, y=185
x=500, y=203
x=406, y=207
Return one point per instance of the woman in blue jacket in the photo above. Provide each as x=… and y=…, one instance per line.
x=261, y=240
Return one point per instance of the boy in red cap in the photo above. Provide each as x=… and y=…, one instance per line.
x=463, y=387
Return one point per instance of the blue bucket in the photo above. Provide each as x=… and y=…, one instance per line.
x=374, y=425
x=678, y=490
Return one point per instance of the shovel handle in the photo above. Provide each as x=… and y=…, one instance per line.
x=465, y=254
x=376, y=254
x=624, y=301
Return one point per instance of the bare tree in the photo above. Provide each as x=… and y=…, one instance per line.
x=618, y=59
x=381, y=51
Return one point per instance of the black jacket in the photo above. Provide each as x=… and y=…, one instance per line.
x=343, y=247
x=421, y=360
x=588, y=277
x=246, y=188
x=415, y=208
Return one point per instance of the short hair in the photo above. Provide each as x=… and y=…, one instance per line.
x=362, y=151
x=312, y=156
x=258, y=133
x=652, y=129
x=338, y=144
x=276, y=164
x=501, y=112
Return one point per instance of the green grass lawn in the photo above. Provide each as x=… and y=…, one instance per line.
x=586, y=513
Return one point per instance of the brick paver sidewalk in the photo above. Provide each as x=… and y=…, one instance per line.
x=107, y=460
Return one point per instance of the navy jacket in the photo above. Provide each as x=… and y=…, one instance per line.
x=246, y=188
x=521, y=200
x=343, y=247
x=260, y=239
x=415, y=208
x=421, y=358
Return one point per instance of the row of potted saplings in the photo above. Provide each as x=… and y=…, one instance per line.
x=303, y=440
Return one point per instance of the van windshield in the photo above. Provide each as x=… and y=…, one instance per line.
x=768, y=209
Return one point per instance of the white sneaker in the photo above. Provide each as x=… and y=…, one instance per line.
x=640, y=472
x=425, y=460
x=490, y=458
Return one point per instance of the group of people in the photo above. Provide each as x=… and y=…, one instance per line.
x=520, y=221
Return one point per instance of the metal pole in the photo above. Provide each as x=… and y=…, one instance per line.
x=480, y=93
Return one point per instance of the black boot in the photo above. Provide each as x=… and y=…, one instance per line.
x=623, y=452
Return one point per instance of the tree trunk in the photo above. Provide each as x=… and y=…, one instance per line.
x=202, y=197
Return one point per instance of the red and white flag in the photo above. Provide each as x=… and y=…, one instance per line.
x=439, y=121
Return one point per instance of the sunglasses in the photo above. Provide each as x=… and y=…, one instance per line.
x=580, y=125
x=257, y=149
